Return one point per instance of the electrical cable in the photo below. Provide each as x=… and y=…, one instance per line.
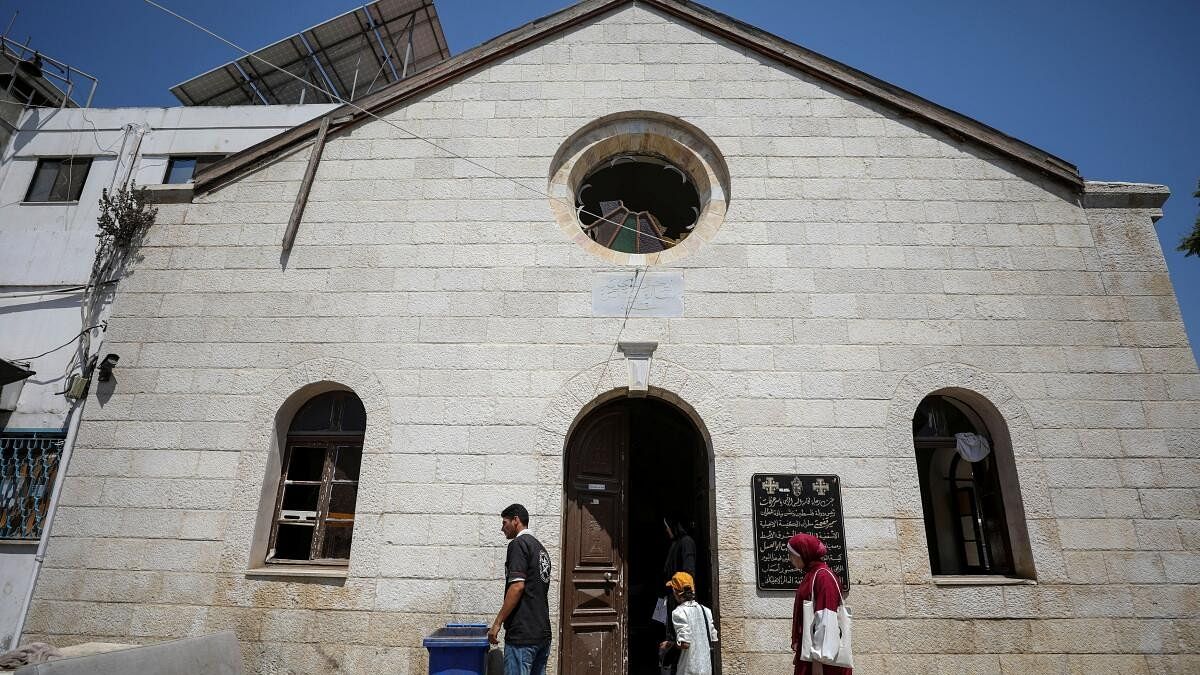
x=53, y=291
x=621, y=330
x=102, y=324
x=415, y=136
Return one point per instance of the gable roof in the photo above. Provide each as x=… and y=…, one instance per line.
x=771, y=46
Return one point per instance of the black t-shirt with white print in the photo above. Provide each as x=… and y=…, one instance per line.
x=528, y=561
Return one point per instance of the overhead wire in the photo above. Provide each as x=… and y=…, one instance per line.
x=102, y=324
x=55, y=291
x=621, y=330
x=448, y=151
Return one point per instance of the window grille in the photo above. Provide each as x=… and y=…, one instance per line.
x=28, y=467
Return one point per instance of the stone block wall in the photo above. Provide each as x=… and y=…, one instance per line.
x=865, y=261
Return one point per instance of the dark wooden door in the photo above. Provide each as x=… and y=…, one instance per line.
x=594, y=577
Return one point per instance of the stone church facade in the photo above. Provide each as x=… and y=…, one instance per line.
x=858, y=258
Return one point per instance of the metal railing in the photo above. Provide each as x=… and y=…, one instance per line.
x=66, y=81
x=28, y=466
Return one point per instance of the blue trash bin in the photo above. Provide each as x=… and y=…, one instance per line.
x=458, y=649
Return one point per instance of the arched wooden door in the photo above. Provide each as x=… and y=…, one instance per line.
x=594, y=589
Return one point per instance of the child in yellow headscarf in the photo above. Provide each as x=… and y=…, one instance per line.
x=694, y=629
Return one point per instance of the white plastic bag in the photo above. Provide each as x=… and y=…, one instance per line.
x=826, y=634
x=972, y=447
x=660, y=612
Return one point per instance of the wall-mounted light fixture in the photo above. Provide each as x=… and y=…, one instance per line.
x=106, y=367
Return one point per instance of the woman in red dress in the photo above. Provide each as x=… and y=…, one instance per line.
x=807, y=553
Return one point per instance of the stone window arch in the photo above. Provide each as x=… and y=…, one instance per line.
x=970, y=497
x=315, y=504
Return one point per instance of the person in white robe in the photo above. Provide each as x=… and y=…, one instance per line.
x=694, y=630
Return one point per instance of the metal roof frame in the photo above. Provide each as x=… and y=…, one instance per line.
x=55, y=80
x=331, y=57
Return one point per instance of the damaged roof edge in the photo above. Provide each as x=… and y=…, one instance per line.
x=790, y=54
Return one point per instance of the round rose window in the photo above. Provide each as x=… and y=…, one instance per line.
x=639, y=188
x=637, y=204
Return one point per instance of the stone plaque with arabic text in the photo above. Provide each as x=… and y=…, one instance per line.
x=659, y=294
x=788, y=504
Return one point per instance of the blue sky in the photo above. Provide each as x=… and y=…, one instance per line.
x=1109, y=85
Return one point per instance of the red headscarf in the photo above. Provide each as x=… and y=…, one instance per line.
x=809, y=547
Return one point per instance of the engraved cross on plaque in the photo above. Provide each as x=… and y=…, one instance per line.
x=820, y=486
x=770, y=485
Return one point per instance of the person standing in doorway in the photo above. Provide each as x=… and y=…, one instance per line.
x=681, y=557
x=807, y=554
x=525, y=614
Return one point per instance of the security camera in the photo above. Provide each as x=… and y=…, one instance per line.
x=106, y=367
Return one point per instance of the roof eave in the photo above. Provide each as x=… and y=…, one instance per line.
x=847, y=77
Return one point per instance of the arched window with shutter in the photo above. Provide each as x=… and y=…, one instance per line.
x=315, y=507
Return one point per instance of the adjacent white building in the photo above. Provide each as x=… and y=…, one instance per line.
x=52, y=174
x=60, y=155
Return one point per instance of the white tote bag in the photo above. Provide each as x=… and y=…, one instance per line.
x=825, y=634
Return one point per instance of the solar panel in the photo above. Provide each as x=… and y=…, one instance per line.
x=350, y=56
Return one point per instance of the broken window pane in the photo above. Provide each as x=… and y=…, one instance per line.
x=965, y=517
x=320, y=482
x=316, y=415
x=335, y=411
x=637, y=204
x=347, y=464
x=307, y=463
x=354, y=416
x=301, y=498
x=337, y=540
x=341, y=500
x=294, y=541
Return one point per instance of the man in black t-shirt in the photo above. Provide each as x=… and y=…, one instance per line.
x=525, y=614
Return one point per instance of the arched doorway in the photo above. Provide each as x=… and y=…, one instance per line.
x=630, y=463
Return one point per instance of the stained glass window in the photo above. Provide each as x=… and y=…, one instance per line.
x=637, y=204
